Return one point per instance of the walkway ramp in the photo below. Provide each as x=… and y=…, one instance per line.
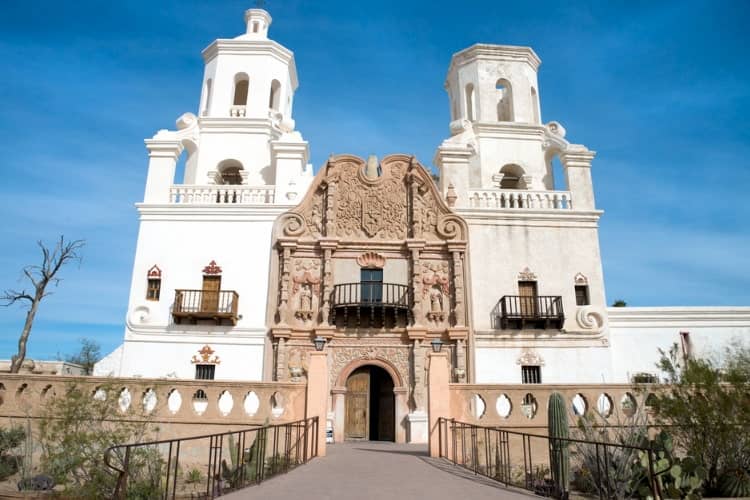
x=371, y=470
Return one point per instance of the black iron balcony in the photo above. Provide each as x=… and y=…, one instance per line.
x=194, y=305
x=369, y=301
x=519, y=312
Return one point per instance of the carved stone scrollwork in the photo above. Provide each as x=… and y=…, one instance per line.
x=450, y=227
x=293, y=224
x=581, y=279
x=590, y=318
x=395, y=356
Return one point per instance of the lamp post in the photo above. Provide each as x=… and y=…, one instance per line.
x=319, y=342
x=437, y=345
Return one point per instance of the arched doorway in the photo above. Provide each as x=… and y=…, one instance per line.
x=370, y=412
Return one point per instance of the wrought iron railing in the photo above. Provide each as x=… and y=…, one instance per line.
x=205, y=304
x=211, y=465
x=537, y=310
x=524, y=460
x=369, y=294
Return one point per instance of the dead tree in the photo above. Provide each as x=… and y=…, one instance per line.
x=40, y=277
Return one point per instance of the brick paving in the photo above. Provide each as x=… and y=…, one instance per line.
x=378, y=471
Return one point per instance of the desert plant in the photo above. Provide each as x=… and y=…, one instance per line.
x=75, y=430
x=735, y=483
x=607, y=470
x=706, y=406
x=244, y=468
x=10, y=440
x=559, y=454
x=676, y=477
x=193, y=476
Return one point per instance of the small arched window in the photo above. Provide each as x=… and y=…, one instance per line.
x=512, y=177
x=241, y=88
x=275, y=95
x=470, y=102
x=504, y=100
x=534, y=105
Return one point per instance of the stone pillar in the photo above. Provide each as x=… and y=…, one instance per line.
x=328, y=246
x=317, y=394
x=286, y=269
x=576, y=162
x=401, y=397
x=338, y=395
x=289, y=159
x=453, y=161
x=163, y=152
x=415, y=246
x=438, y=396
x=459, y=307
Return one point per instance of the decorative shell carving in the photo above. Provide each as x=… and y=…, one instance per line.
x=212, y=268
x=371, y=260
x=154, y=272
x=581, y=279
x=530, y=358
x=526, y=275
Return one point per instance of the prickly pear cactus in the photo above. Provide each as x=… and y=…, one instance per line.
x=559, y=454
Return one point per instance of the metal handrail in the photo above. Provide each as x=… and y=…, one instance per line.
x=273, y=449
x=371, y=293
x=204, y=301
x=487, y=451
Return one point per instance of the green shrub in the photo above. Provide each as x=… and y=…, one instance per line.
x=10, y=439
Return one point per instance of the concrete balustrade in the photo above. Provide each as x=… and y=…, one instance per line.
x=520, y=199
x=191, y=194
x=524, y=406
x=194, y=406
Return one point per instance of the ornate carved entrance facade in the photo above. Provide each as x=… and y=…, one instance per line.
x=374, y=261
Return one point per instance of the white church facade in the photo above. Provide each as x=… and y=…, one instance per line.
x=251, y=256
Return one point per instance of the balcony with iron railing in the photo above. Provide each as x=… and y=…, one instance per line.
x=370, y=304
x=217, y=306
x=537, y=311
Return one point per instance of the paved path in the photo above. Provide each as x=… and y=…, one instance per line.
x=378, y=471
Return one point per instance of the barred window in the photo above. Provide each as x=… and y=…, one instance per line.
x=205, y=372
x=531, y=374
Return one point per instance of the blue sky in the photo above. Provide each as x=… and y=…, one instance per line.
x=660, y=90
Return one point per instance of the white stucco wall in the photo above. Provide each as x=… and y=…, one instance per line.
x=637, y=333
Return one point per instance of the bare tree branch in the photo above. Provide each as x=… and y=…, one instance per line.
x=40, y=277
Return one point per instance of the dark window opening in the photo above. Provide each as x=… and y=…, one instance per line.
x=531, y=374
x=154, y=289
x=371, y=281
x=582, y=295
x=205, y=372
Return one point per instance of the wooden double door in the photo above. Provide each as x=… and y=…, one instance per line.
x=370, y=405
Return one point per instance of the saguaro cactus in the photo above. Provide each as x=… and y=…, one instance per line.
x=559, y=454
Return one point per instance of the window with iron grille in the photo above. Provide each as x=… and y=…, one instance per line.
x=154, y=289
x=205, y=372
x=531, y=374
x=582, y=295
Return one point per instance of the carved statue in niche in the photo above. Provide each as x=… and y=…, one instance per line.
x=436, y=288
x=436, y=305
x=305, y=289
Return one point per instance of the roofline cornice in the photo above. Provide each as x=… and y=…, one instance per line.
x=484, y=51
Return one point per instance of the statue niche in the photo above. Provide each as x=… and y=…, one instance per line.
x=435, y=290
x=306, y=289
